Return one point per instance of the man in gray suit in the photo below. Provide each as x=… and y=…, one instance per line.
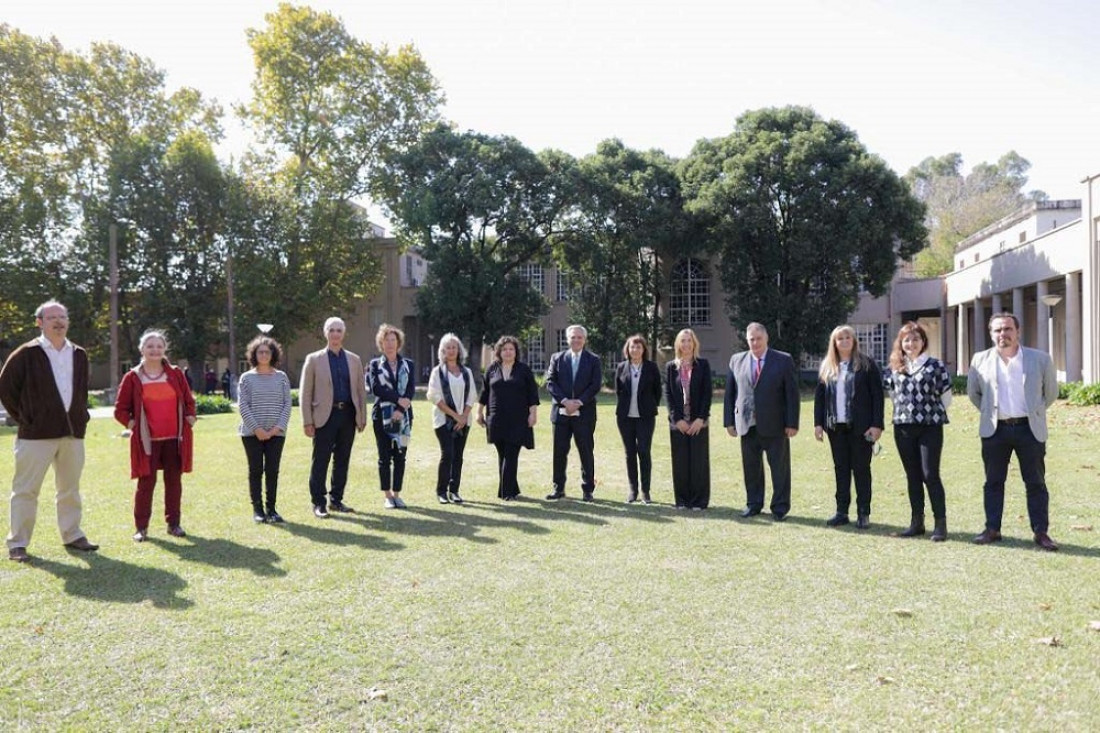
x=762, y=406
x=333, y=399
x=1012, y=386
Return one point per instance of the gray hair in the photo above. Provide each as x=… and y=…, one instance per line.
x=451, y=338
x=758, y=327
x=48, y=304
x=576, y=327
x=331, y=321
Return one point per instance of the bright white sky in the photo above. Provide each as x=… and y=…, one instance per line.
x=913, y=78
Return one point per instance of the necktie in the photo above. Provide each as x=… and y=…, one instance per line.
x=576, y=361
x=759, y=368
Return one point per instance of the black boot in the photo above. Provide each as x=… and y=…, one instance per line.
x=258, y=515
x=916, y=526
x=939, y=534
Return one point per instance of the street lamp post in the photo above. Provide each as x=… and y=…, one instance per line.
x=1050, y=300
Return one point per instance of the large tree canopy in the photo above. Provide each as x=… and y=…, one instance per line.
x=959, y=205
x=481, y=207
x=803, y=217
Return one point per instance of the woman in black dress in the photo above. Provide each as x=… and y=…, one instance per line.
x=509, y=409
x=638, y=388
x=688, y=389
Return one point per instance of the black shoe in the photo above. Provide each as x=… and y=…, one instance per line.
x=339, y=506
x=645, y=498
x=863, y=521
x=319, y=511
x=915, y=528
x=749, y=512
x=454, y=497
x=632, y=497
x=274, y=518
x=258, y=515
x=443, y=499
x=779, y=516
x=939, y=534
x=837, y=520
x=587, y=496
x=555, y=495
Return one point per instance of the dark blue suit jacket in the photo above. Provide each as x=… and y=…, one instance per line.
x=562, y=385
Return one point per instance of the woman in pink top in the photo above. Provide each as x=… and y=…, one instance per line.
x=156, y=406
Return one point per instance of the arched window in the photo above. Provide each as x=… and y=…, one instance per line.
x=689, y=295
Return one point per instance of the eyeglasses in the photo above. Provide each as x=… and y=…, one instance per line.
x=54, y=318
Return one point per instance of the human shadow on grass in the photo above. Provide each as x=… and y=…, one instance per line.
x=326, y=531
x=113, y=581
x=222, y=553
x=597, y=511
x=427, y=522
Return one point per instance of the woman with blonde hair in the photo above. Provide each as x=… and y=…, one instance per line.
x=452, y=392
x=689, y=389
x=156, y=405
x=848, y=406
x=392, y=381
x=920, y=387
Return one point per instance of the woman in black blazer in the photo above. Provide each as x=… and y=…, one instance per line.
x=638, y=388
x=848, y=405
x=688, y=388
x=508, y=408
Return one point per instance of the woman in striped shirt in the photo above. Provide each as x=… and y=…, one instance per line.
x=264, y=403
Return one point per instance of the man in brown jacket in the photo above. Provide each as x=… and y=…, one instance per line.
x=44, y=387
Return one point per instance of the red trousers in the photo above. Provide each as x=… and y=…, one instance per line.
x=166, y=458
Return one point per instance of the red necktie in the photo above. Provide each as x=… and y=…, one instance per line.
x=759, y=366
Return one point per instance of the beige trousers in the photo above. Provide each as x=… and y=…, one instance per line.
x=32, y=459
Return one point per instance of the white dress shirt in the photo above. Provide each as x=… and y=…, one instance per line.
x=61, y=362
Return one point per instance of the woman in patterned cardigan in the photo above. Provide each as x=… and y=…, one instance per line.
x=921, y=390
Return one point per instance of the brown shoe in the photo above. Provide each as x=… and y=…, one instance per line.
x=19, y=554
x=988, y=536
x=1042, y=539
x=82, y=544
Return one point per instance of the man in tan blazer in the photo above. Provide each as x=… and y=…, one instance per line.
x=333, y=399
x=1012, y=386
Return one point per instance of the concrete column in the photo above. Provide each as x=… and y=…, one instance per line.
x=996, y=304
x=978, y=329
x=962, y=354
x=1073, y=327
x=1018, y=303
x=1041, y=313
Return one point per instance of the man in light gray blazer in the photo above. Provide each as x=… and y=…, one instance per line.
x=762, y=406
x=333, y=400
x=1012, y=386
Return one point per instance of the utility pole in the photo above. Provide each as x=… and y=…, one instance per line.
x=112, y=235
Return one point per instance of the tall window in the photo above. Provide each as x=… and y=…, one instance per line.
x=565, y=285
x=874, y=340
x=536, y=351
x=534, y=276
x=562, y=339
x=689, y=295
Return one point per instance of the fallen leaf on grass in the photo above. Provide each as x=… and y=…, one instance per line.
x=1045, y=606
x=1094, y=625
x=1081, y=527
x=1049, y=641
x=884, y=680
x=902, y=612
x=376, y=694
x=852, y=667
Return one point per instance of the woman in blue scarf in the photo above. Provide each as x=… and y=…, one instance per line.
x=392, y=381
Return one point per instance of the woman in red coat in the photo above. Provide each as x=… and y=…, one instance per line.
x=155, y=404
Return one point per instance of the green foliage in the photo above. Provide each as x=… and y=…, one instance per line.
x=958, y=384
x=294, y=397
x=804, y=218
x=958, y=205
x=1083, y=395
x=1065, y=389
x=209, y=404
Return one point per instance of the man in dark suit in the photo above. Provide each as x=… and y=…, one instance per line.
x=573, y=380
x=762, y=406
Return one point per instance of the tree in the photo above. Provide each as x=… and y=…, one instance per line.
x=959, y=205
x=481, y=207
x=330, y=110
x=628, y=216
x=803, y=217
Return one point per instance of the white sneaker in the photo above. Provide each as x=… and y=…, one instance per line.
x=390, y=503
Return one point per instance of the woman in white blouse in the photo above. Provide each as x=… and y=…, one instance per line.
x=452, y=392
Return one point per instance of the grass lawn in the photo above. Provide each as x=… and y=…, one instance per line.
x=555, y=616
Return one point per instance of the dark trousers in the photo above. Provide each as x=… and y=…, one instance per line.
x=637, y=435
x=332, y=441
x=390, y=453
x=920, y=447
x=778, y=449
x=579, y=430
x=1031, y=455
x=691, y=468
x=851, y=459
x=263, y=467
x=507, y=463
x=451, y=446
x=165, y=457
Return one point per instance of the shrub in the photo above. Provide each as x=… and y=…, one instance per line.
x=95, y=400
x=719, y=380
x=958, y=384
x=1085, y=395
x=209, y=404
x=294, y=398
x=1066, y=389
